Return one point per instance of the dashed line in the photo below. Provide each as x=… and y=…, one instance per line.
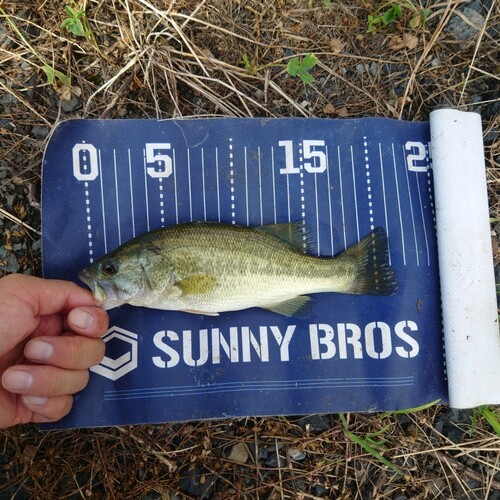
x=231, y=177
x=89, y=222
x=368, y=182
x=302, y=197
x=162, y=208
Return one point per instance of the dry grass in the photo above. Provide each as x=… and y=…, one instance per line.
x=161, y=59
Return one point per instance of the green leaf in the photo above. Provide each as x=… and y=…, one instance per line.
x=491, y=418
x=305, y=76
x=293, y=66
x=308, y=62
x=77, y=28
x=52, y=74
x=49, y=73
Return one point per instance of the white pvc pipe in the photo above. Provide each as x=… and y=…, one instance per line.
x=470, y=321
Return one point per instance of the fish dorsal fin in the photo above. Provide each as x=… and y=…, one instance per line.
x=298, y=307
x=293, y=233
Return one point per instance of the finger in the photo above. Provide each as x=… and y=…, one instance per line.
x=73, y=352
x=90, y=321
x=48, y=409
x=45, y=296
x=43, y=380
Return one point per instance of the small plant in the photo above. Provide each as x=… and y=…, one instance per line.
x=295, y=67
x=50, y=72
x=372, y=443
x=301, y=67
x=491, y=416
x=390, y=12
x=74, y=23
x=326, y=3
x=78, y=24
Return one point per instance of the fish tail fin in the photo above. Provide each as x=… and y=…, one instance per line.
x=373, y=274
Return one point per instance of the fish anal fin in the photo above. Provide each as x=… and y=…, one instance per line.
x=197, y=284
x=293, y=233
x=298, y=307
x=192, y=311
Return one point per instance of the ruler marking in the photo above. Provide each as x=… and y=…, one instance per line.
x=217, y=181
x=146, y=188
x=423, y=218
x=368, y=184
x=189, y=185
x=399, y=204
x=385, y=202
x=203, y=184
x=342, y=199
x=355, y=195
x=102, y=206
x=231, y=177
x=131, y=192
x=117, y=202
x=288, y=197
x=174, y=165
x=411, y=206
x=329, y=191
x=260, y=187
x=274, y=184
x=317, y=213
x=246, y=184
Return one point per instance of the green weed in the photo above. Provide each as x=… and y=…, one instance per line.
x=326, y=3
x=371, y=443
x=295, y=67
x=78, y=24
x=389, y=13
x=51, y=73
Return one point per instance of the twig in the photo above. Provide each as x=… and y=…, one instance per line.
x=13, y=218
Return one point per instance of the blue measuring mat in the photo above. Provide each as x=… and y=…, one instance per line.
x=107, y=181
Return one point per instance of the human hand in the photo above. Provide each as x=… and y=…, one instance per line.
x=49, y=337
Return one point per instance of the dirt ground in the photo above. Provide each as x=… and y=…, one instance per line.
x=163, y=59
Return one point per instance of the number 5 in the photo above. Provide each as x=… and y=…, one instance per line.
x=310, y=153
x=163, y=159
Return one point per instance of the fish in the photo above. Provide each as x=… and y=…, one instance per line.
x=209, y=268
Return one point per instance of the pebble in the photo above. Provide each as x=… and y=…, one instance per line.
x=40, y=131
x=296, y=454
x=72, y=104
x=8, y=100
x=360, y=68
x=461, y=30
x=197, y=483
x=238, y=453
x=374, y=68
x=8, y=257
x=273, y=460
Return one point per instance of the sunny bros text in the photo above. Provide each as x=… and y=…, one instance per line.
x=376, y=340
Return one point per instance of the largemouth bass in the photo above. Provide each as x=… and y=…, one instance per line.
x=208, y=268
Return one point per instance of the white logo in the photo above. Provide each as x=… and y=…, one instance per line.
x=125, y=363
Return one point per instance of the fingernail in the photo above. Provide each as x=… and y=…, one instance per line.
x=39, y=350
x=81, y=319
x=17, y=380
x=35, y=400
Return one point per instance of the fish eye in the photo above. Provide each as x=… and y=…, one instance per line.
x=110, y=269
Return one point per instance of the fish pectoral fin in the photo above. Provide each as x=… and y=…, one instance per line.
x=197, y=284
x=298, y=306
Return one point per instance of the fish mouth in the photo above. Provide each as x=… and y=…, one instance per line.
x=104, y=292
x=98, y=291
